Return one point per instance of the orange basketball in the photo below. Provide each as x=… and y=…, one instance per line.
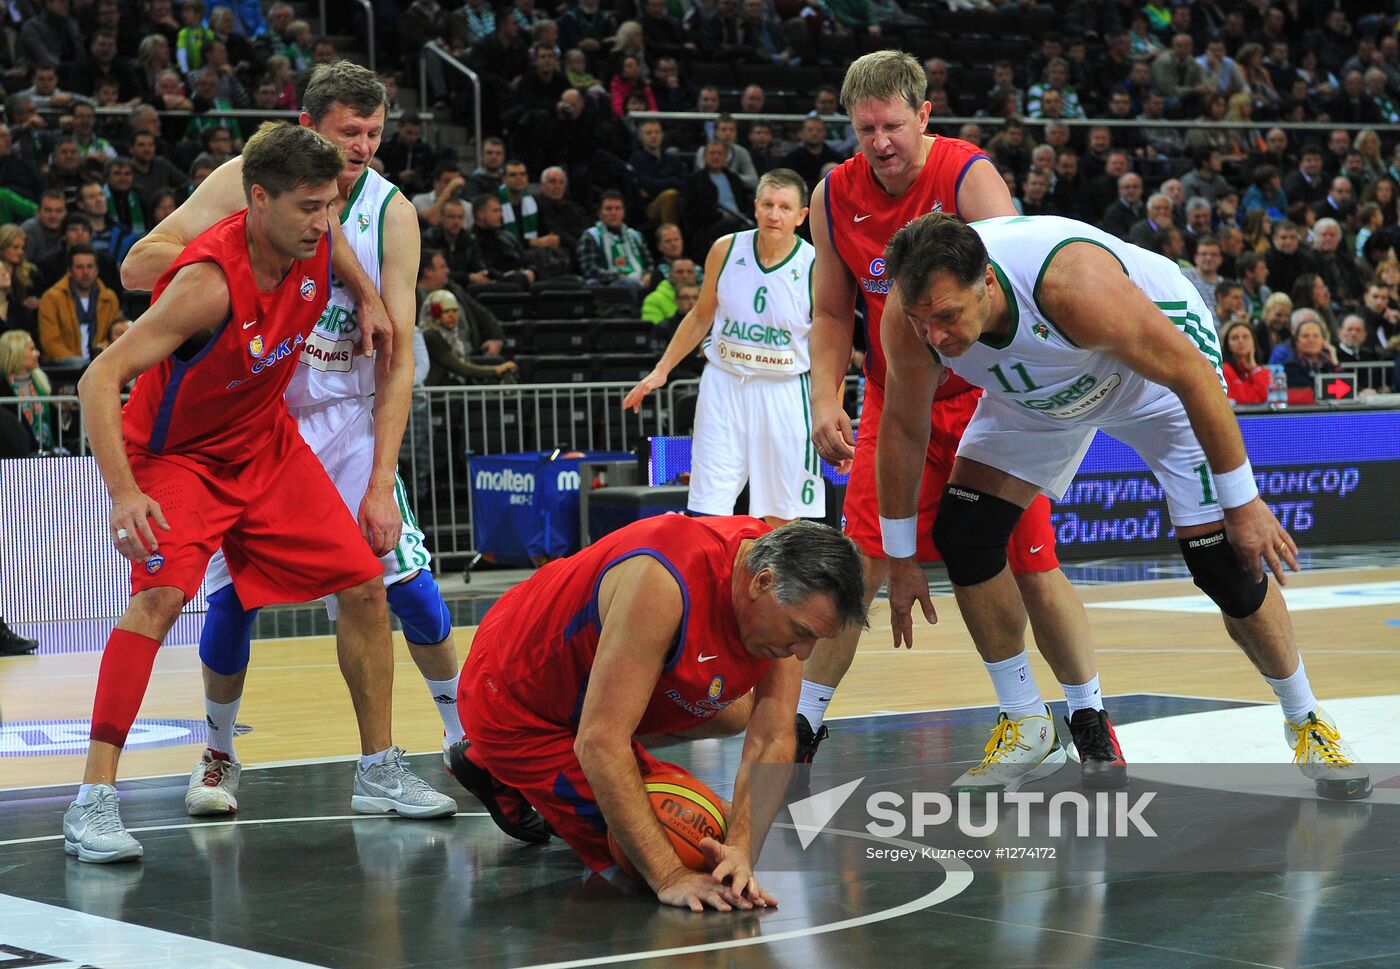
x=687, y=811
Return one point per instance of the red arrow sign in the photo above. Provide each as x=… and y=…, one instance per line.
x=1338, y=389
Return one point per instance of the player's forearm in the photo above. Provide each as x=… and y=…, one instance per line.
x=899, y=457
x=830, y=348
x=770, y=751
x=99, y=396
x=393, y=396
x=610, y=767
x=148, y=258
x=1215, y=426
x=684, y=341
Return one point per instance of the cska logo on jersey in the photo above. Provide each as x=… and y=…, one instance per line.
x=308, y=288
x=937, y=206
x=716, y=688
x=256, y=347
x=1041, y=331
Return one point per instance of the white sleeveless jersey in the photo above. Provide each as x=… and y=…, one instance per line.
x=764, y=315
x=1039, y=368
x=332, y=368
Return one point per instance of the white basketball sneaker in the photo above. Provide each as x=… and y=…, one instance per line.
x=213, y=786
x=1325, y=758
x=1019, y=751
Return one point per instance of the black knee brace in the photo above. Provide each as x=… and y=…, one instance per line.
x=1216, y=572
x=971, y=532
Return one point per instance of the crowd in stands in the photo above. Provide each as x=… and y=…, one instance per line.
x=112, y=117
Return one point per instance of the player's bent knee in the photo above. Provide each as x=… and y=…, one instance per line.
x=417, y=602
x=228, y=631
x=365, y=599
x=158, y=607
x=1216, y=572
x=971, y=532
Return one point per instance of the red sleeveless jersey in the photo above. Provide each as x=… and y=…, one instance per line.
x=861, y=217
x=222, y=403
x=538, y=642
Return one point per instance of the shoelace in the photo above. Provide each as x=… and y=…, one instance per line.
x=103, y=818
x=1094, y=741
x=1324, y=746
x=1006, y=736
x=214, y=772
x=412, y=783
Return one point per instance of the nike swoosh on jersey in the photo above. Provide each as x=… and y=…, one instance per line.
x=1036, y=548
x=250, y=323
x=705, y=659
x=861, y=218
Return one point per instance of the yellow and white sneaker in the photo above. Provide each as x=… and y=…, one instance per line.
x=1019, y=751
x=213, y=786
x=1326, y=759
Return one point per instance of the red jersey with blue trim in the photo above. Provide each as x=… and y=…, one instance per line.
x=861, y=217
x=221, y=403
x=539, y=641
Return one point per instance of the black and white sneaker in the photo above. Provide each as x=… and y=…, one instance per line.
x=507, y=806
x=1100, y=757
x=807, y=741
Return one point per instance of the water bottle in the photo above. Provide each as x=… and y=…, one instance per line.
x=1278, y=387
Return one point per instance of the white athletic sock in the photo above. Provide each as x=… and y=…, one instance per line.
x=373, y=760
x=444, y=694
x=1083, y=696
x=218, y=725
x=84, y=793
x=1014, y=682
x=1294, y=694
x=814, y=701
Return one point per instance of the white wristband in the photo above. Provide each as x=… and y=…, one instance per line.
x=1237, y=487
x=900, y=536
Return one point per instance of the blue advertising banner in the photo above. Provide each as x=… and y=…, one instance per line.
x=525, y=506
x=1329, y=477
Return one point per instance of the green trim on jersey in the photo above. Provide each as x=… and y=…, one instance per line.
x=987, y=339
x=796, y=247
x=727, y=254
x=1045, y=266
x=354, y=196
x=383, y=211
x=1202, y=336
x=810, y=461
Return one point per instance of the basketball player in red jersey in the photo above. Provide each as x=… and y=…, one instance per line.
x=206, y=453
x=656, y=628
x=899, y=174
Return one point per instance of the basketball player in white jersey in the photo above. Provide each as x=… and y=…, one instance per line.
x=753, y=422
x=351, y=415
x=1070, y=330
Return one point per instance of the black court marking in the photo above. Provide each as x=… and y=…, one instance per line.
x=382, y=892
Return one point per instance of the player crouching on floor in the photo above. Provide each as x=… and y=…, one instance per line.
x=654, y=629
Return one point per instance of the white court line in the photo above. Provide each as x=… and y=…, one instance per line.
x=195, y=825
x=346, y=758
x=77, y=938
x=958, y=876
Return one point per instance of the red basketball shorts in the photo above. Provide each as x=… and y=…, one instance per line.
x=537, y=758
x=1032, y=544
x=284, y=528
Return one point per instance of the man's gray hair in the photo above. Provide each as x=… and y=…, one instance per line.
x=1195, y=202
x=809, y=558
